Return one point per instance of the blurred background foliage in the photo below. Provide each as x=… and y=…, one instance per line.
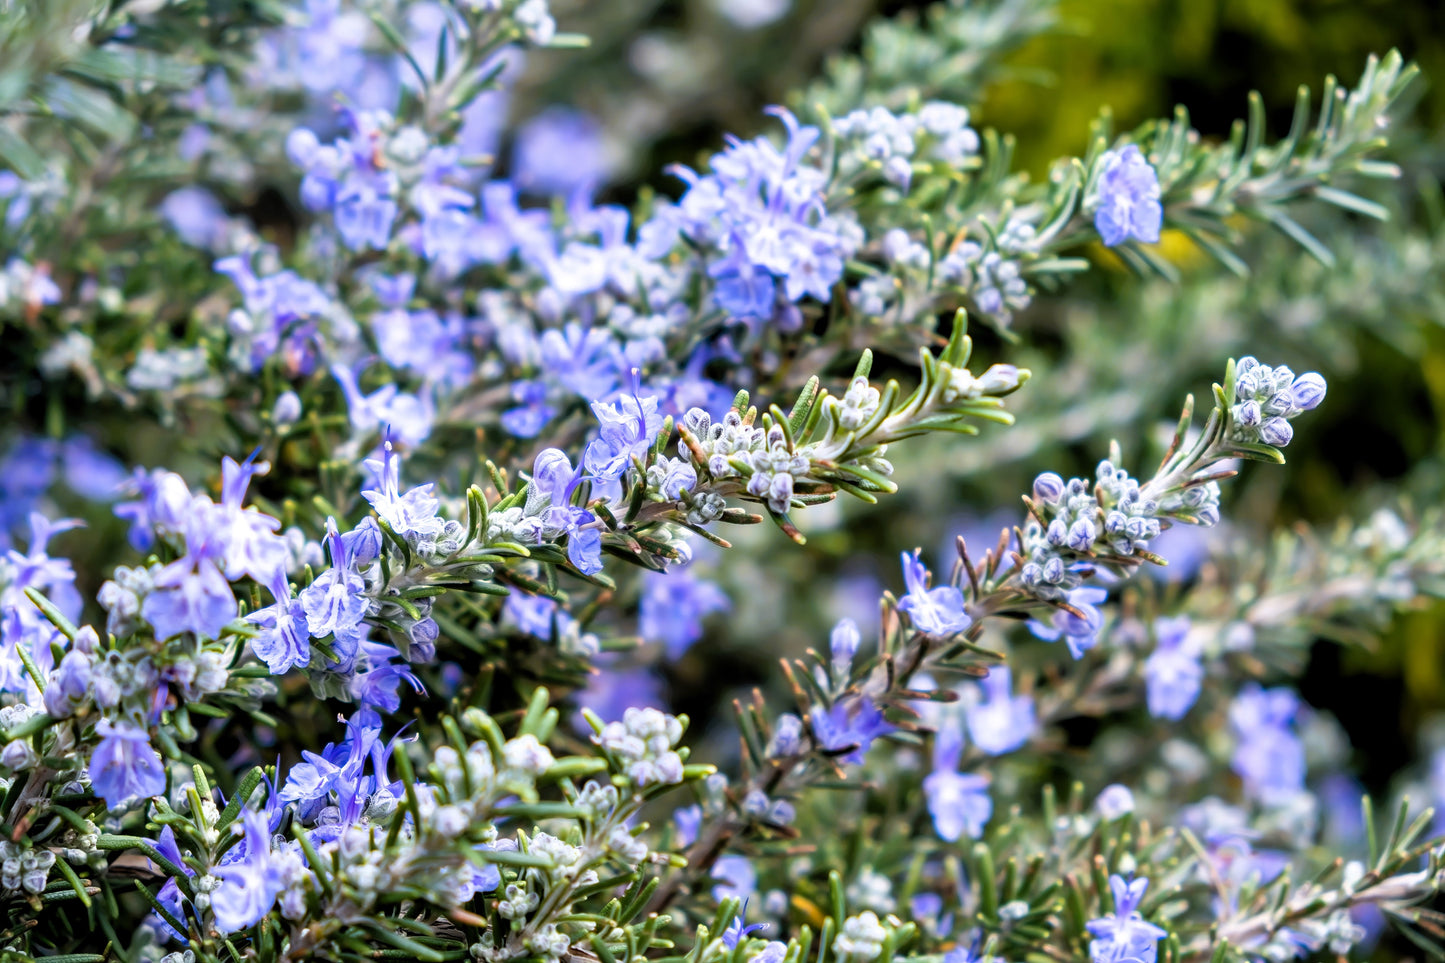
x=1112, y=358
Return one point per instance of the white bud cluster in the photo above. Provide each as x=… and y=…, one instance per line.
x=873, y=890
x=518, y=901
x=858, y=404
x=862, y=937
x=568, y=861
x=27, y=869
x=644, y=741
x=938, y=131
x=526, y=756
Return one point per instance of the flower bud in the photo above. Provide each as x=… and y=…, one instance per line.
x=1308, y=390
x=999, y=378
x=69, y=684
x=18, y=755
x=1048, y=487
x=1115, y=801
x=287, y=410
x=1248, y=414
x=843, y=643
x=1276, y=432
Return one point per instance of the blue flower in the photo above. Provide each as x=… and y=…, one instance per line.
x=963, y=954
x=89, y=471
x=616, y=689
x=1114, y=801
x=1173, y=674
x=505, y=229
x=169, y=895
x=939, y=611
x=331, y=45
x=584, y=543
x=335, y=603
x=191, y=595
x=123, y=766
x=311, y=781
x=1124, y=934
x=26, y=473
x=379, y=684
x=927, y=910
x=548, y=496
x=743, y=289
x=164, y=501
x=365, y=210
x=850, y=725
x=17, y=193
x=1079, y=633
x=68, y=687
x=736, y=931
x=843, y=644
x=1269, y=755
x=581, y=360
x=250, y=881
x=196, y=217
x=674, y=603
x=485, y=878
x=282, y=309
x=1128, y=198
x=408, y=416
x=247, y=539
x=1002, y=722
x=533, y=412
x=340, y=770
x=532, y=613
x=688, y=820
x=627, y=429
x=412, y=513
x=612, y=263
x=763, y=210
x=959, y=803
x=560, y=151
x=736, y=877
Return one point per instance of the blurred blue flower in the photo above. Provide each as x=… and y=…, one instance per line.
x=1128, y=198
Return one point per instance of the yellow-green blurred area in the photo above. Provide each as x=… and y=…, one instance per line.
x=1142, y=57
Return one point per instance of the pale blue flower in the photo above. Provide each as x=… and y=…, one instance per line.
x=283, y=640
x=335, y=603
x=688, y=820
x=412, y=513
x=626, y=430
x=250, y=882
x=532, y=614
x=1173, y=674
x=1080, y=634
x=124, y=766
x=1001, y=722
x=1128, y=199
x=937, y=611
x=1269, y=755
x=736, y=878
x=191, y=595
x=958, y=802
x=674, y=603
x=1124, y=934
x=849, y=727
x=560, y=151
